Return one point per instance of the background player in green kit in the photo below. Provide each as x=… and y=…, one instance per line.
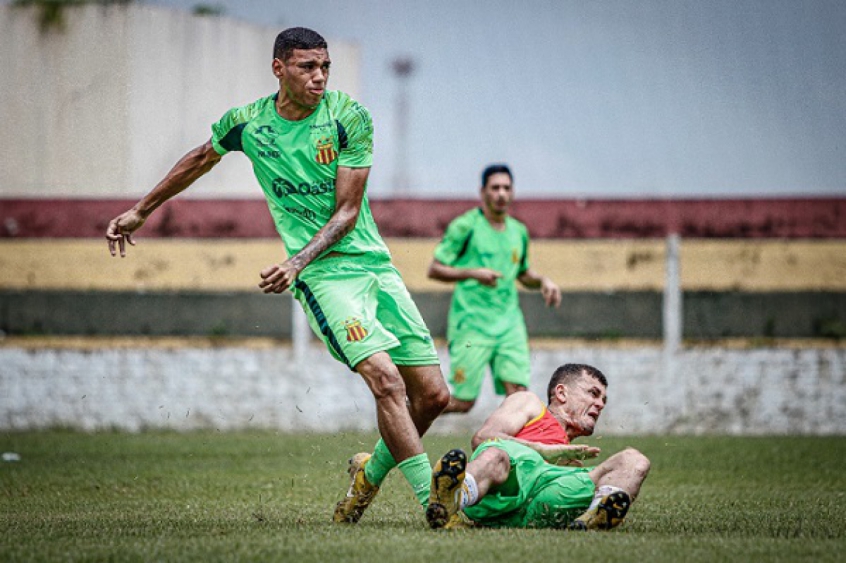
x=485, y=250
x=311, y=151
x=525, y=473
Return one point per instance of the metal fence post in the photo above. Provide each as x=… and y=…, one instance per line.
x=300, y=332
x=672, y=297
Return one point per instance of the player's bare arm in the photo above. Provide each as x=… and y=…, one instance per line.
x=513, y=414
x=185, y=172
x=441, y=272
x=509, y=418
x=549, y=290
x=349, y=193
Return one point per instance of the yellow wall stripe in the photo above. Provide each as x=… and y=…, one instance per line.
x=592, y=265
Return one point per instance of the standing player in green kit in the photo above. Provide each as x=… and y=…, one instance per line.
x=311, y=151
x=485, y=251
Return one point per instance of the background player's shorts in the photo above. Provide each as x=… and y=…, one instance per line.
x=470, y=355
x=359, y=306
x=536, y=494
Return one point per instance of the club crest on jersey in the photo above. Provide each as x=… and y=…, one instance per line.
x=355, y=331
x=326, y=152
x=458, y=376
x=515, y=257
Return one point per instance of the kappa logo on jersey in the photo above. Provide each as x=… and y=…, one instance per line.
x=265, y=135
x=326, y=152
x=355, y=331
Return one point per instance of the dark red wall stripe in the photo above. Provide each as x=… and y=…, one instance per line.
x=822, y=217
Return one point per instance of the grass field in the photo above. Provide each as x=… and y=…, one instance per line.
x=262, y=496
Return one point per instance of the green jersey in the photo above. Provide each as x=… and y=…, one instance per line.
x=296, y=164
x=471, y=242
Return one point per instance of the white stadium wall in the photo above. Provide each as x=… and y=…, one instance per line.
x=761, y=391
x=105, y=104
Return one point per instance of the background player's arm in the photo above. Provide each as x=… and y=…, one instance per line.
x=185, y=172
x=441, y=272
x=549, y=289
x=512, y=415
x=349, y=193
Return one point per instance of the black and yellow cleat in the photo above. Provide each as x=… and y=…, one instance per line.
x=609, y=513
x=445, y=495
x=360, y=494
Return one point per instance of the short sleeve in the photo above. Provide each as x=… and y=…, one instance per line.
x=455, y=241
x=355, y=130
x=226, y=133
x=524, y=252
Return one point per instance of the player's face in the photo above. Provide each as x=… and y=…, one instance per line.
x=584, y=400
x=303, y=76
x=497, y=193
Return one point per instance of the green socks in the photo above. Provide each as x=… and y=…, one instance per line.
x=379, y=464
x=418, y=473
x=417, y=470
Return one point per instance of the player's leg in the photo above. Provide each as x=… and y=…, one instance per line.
x=510, y=365
x=618, y=480
x=340, y=299
x=511, y=388
x=626, y=470
x=400, y=443
x=506, y=475
x=488, y=469
x=469, y=357
x=456, y=484
x=427, y=395
x=425, y=392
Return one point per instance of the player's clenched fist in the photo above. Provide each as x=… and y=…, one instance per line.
x=278, y=278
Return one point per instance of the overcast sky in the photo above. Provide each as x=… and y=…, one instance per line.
x=599, y=98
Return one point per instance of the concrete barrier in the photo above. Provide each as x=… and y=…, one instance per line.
x=700, y=390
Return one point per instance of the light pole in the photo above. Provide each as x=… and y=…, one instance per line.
x=403, y=67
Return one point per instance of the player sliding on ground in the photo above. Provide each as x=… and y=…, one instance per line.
x=525, y=473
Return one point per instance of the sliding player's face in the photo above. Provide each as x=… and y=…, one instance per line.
x=497, y=193
x=585, y=399
x=303, y=75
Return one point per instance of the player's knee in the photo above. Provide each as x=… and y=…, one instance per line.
x=457, y=405
x=636, y=462
x=497, y=464
x=431, y=400
x=437, y=398
x=383, y=378
x=387, y=385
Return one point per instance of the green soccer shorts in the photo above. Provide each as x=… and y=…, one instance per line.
x=470, y=354
x=536, y=494
x=359, y=306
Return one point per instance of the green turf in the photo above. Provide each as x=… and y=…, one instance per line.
x=262, y=496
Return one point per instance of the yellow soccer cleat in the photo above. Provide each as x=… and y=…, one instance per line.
x=459, y=521
x=609, y=513
x=360, y=494
x=445, y=495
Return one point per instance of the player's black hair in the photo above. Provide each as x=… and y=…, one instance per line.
x=495, y=169
x=570, y=372
x=297, y=38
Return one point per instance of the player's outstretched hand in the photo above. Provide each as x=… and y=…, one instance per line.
x=278, y=278
x=120, y=230
x=551, y=293
x=570, y=454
